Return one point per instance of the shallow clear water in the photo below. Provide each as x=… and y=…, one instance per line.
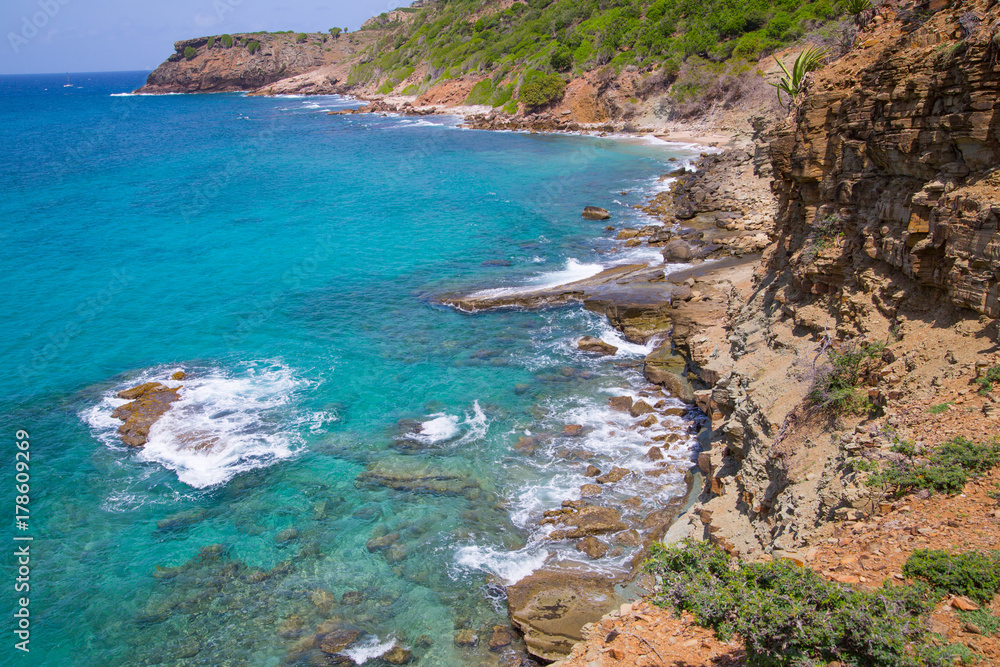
x=287, y=261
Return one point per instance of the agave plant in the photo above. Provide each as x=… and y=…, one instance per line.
x=855, y=7
x=807, y=61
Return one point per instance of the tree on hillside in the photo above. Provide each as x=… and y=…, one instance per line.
x=335, y=32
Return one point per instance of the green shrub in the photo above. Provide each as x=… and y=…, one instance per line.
x=190, y=52
x=227, y=40
x=480, y=93
x=940, y=408
x=301, y=37
x=838, y=388
x=541, y=89
x=211, y=42
x=808, y=60
x=561, y=59
x=253, y=47
x=335, y=32
x=972, y=574
x=989, y=377
x=985, y=622
x=945, y=469
x=787, y=615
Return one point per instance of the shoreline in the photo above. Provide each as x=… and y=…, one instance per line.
x=622, y=294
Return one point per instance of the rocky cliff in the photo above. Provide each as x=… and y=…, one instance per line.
x=243, y=61
x=886, y=234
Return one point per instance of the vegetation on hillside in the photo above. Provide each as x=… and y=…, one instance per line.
x=667, y=39
x=788, y=615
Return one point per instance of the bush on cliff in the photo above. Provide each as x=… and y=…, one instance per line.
x=301, y=37
x=190, y=52
x=540, y=89
x=788, y=615
x=227, y=40
x=945, y=469
x=839, y=387
x=253, y=47
x=974, y=575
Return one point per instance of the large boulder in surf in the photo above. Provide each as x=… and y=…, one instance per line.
x=596, y=345
x=596, y=213
x=551, y=606
x=147, y=403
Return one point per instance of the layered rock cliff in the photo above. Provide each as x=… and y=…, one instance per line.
x=243, y=61
x=888, y=199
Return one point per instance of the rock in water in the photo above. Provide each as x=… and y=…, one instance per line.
x=591, y=344
x=551, y=606
x=596, y=213
x=592, y=546
x=148, y=403
x=397, y=656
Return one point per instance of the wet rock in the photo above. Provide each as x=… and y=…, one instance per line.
x=640, y=408
x=596, y=213
x=551, y=606
x=147, y=404
x=179, y=375
x=649, y=421
x=596, y=345
x=628, y=538
x=590, y=490
x=593, y=547
x=592, y=471
x=654, y=454
x=503, y=636
x=620, y=403
x=466, y=638
x=572, y=430
x=527, y=444
x=397, y=656
x=616, y=474
x=521, y=388
x=591, y=520
x=337, y=639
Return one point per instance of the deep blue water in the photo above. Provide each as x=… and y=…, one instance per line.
x=287, y=260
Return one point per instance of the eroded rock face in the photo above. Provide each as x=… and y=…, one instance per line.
x=664, y=367
x=552, y=605
x=147, y=403
x=888, y=166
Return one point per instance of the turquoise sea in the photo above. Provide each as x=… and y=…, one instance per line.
x=287, y=260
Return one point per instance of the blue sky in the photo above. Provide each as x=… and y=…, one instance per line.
x=109, y=35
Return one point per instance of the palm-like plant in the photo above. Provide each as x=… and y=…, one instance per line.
x=855, y=7
x=807, y=61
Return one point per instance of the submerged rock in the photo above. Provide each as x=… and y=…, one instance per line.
x=417, y=478
x=147, y=404
x=616, y=474
x=466, y=638
x=596, y=213
x=502, y=637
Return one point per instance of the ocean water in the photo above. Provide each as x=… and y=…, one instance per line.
x=363, y=440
